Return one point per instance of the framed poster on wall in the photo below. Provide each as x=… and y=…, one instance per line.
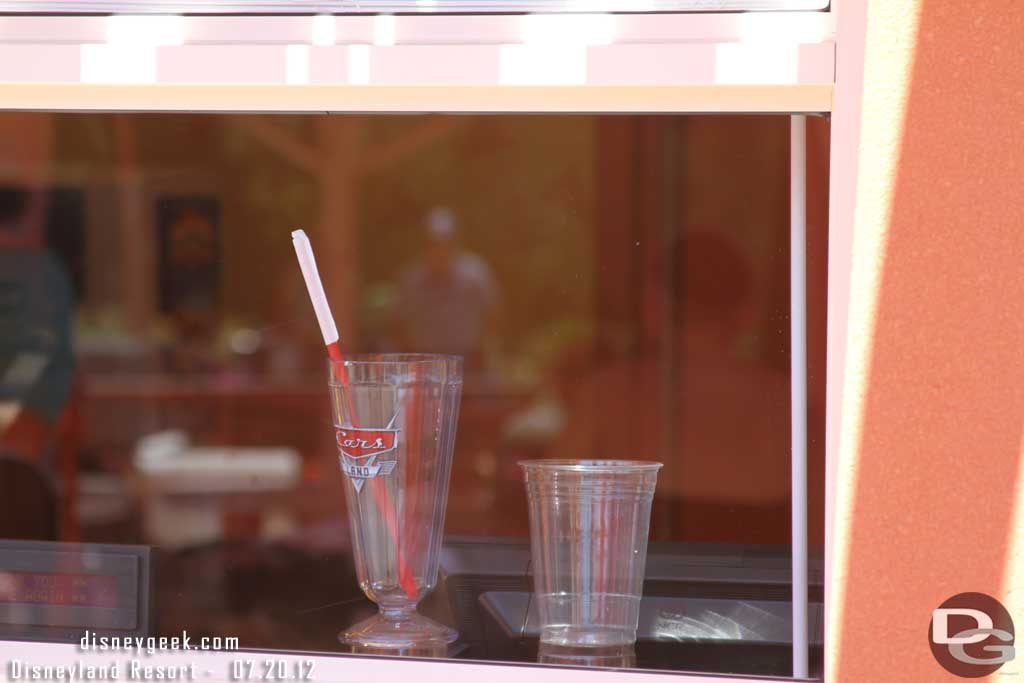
x=188, y=230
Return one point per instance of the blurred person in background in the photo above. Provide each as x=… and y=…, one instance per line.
x=447, y=300
x=36, y=315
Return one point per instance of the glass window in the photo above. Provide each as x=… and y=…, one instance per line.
x=617, y=287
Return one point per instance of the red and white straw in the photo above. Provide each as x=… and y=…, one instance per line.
x=304, y=252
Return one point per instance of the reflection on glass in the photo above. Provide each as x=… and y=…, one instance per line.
x=615, y=657
x=447, y=299
x=742, y=621
x=36, y=314
x=617, y=286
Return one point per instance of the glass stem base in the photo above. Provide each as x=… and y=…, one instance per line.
x=399, y=632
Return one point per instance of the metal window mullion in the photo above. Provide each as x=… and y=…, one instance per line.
x=798, y=384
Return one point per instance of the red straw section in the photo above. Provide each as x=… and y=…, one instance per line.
x=412, y=461
x=380, y=492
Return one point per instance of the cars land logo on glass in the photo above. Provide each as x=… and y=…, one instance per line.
x=971, y=635
x=359, y=451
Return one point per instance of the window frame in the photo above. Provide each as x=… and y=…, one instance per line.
x=373, y=6
x=670, y=41
x=779, y=62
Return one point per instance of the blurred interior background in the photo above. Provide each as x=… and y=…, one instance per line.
x=618, y=286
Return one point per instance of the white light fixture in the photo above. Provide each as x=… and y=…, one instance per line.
x=296, y=64
x=152, y=30
x=384, y=29
x=569, y=29
x=324, y=31
x=118, y=64
x=810, y=27
x=359, y=64
x=542, y=64
x=756, y=63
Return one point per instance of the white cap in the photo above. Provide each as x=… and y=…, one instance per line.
x=441, y=223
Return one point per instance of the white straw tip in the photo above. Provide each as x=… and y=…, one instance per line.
x=304, y=252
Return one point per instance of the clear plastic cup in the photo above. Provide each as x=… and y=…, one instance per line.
x=394, y=422
x=588, y=539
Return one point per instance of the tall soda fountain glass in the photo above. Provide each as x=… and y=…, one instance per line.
x=394, y=424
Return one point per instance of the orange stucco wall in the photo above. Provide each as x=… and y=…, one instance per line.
x=928, y=446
